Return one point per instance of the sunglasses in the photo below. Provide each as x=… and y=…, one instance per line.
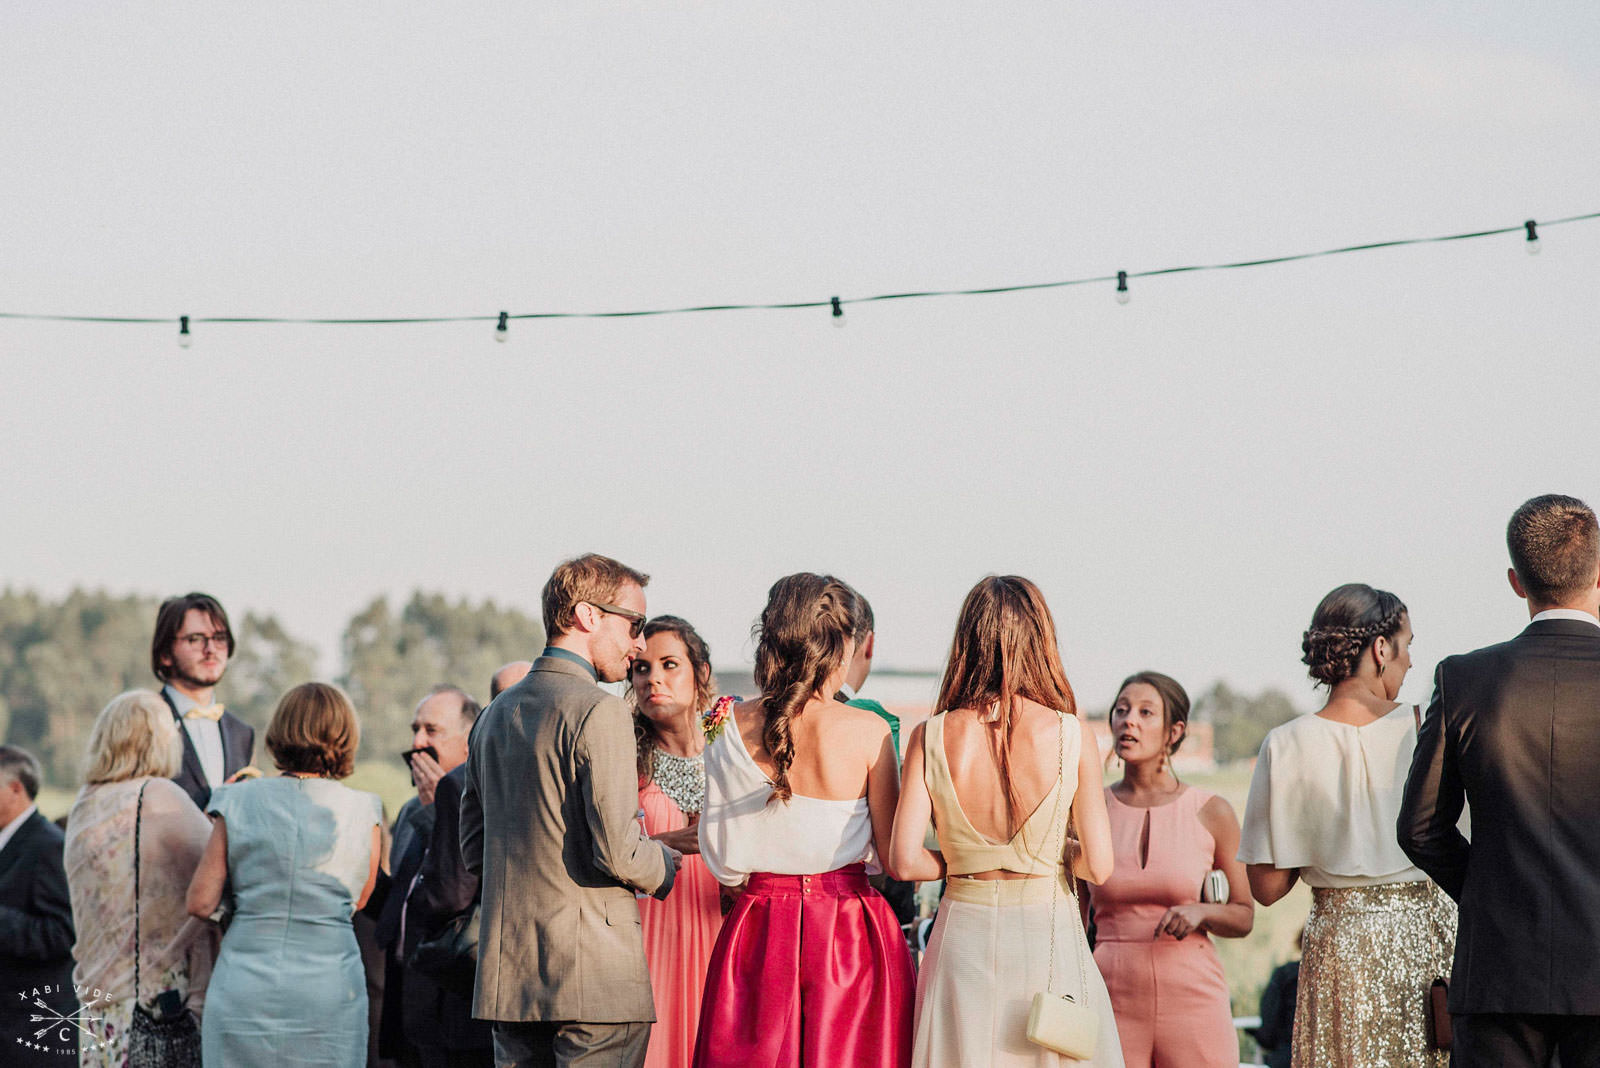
x=635, y=620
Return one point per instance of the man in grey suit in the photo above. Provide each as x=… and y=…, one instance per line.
x=548, y=821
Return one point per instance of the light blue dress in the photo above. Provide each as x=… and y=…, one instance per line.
x=288, y=988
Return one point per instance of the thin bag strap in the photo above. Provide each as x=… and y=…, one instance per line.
x=1060, y=855
x=1416, y=714
x=138, y=818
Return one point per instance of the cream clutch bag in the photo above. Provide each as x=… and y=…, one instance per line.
x=1058, y=1022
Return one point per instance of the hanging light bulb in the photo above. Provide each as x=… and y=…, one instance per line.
x=838, y=313
x=1123, y=295
x=500, y=331
x=1532, y=244
x=185, y=339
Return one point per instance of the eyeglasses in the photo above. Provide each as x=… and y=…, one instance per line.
x=197, y=642
x=635, y=619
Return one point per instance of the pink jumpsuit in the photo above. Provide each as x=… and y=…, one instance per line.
x=1169, y=995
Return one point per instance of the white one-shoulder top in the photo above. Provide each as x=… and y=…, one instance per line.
x=743, y=831
x=1325, y=797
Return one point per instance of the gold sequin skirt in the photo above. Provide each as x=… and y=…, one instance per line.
x=1371, y=953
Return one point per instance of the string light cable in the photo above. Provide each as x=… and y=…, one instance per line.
x=1530, y=229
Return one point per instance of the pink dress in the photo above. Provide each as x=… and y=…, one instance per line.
x=679, y=932
x=1169, y=995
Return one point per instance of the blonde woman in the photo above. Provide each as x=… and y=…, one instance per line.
x=134, y=749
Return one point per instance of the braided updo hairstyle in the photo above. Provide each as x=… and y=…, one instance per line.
x=1343, y=628
x=801, y=639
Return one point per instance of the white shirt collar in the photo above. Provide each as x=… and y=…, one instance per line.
x=10, y=829
x=1565, y=613
x=180, y=700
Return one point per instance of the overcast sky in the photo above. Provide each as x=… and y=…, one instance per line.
x=1184, y=476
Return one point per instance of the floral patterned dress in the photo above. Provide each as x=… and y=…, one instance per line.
x=175, y=950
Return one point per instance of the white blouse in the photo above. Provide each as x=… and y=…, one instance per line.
x=1325, y=798
x=743, y=831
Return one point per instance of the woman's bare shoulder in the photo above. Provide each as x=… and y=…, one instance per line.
x=750, y=719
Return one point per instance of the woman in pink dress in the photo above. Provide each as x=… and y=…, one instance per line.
x=810, y=968
x=671, y=684
x=1153, y=933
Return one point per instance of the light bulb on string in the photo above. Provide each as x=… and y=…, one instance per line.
x=1532, y=244
x=500, y=331
x=185, y=339
x=1123, y=296
x=838, y=313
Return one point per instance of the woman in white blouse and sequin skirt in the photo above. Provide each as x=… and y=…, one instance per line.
x=670, y=686
x=1323, y=805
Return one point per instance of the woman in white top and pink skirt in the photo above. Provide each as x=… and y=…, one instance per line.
x=810, y=967
x=1323, y=806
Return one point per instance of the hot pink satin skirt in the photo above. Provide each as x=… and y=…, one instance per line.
x=808, y=970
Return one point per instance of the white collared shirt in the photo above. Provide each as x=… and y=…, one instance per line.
x=10, y=829
x=1565, y=613
x=206, y=735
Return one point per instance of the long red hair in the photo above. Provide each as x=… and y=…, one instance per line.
x=1004, y=652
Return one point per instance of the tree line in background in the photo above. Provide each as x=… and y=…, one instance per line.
x=62, y=660
x=1239, y=721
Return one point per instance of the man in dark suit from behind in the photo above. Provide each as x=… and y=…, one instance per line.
x=189, y=653
x=1514, y=732
x=35, y=925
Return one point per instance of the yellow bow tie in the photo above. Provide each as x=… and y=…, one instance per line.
x=211, y=712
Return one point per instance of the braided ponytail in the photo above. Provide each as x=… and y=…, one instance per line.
x=800, y=641
x=1343, y=628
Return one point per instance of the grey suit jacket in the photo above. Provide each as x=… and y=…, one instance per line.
x=548, y=821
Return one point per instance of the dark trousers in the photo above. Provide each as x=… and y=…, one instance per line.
x=558, y=1044
x=439, y=1057
x=1498, y=1040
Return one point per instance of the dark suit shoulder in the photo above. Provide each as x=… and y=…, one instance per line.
x=450, y=786
x=38, y=832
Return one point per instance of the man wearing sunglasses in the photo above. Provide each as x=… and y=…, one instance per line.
x=189, y=654
x=548, y=823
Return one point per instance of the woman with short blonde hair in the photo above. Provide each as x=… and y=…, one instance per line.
x=129, y=740
x=130, y=808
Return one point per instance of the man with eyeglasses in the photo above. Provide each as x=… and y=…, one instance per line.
x=189, y=654
x=548, y=823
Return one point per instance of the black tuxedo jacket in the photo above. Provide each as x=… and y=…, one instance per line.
x=1514, y=731
x=35, y=943
x=238, y=745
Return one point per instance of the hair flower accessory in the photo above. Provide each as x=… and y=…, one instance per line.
x=717, y=718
